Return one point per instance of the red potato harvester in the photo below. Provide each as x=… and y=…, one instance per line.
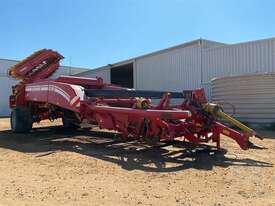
x=83, y=101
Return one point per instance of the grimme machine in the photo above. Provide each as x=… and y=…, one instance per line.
x=83, y=101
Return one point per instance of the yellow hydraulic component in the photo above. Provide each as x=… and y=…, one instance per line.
x=142, y=103
x=217, y=111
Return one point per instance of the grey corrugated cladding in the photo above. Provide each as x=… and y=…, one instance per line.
x=174, y=68
x=243, y=58
x=214, y=60
x=6, y=84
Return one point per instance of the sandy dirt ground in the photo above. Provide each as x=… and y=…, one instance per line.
x=52, y=166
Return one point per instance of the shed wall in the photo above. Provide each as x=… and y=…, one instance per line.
x=5, y=88
x=243, y=58
x=173, y=70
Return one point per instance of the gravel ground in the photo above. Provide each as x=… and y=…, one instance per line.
x=52, y=166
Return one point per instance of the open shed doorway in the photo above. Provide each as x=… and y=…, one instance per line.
x=123, y=75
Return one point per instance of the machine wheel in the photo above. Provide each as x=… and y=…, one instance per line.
x=21, y=120
x=70, y=120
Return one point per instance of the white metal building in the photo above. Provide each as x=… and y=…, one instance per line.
x=6, y=82
x=189, y=65
x=174, y=68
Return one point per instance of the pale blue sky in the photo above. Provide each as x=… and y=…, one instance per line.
x=92, y=33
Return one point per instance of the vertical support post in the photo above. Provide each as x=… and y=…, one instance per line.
x=218, y=143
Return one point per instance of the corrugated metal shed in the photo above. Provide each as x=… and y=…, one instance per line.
x=195, y=63
x=7, y=83
x=252, y=95
x=242, y=58
x=175, y=68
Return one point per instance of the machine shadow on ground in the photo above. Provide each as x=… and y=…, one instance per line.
x=130, y=155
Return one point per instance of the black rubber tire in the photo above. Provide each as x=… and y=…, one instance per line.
x=69, y=120
x=21, y=120
x=68, y=124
